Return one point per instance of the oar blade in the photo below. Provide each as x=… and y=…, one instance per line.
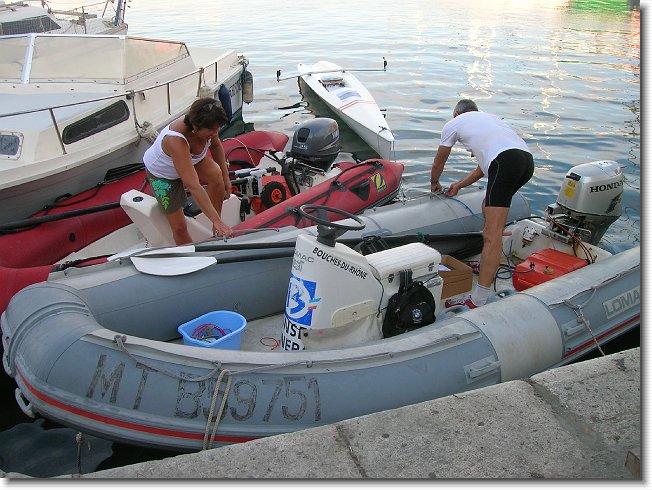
x=171, y=266
x=181, y=249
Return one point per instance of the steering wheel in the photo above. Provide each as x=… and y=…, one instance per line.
x=304, y=211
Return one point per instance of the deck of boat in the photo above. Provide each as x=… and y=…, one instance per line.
x=264, y=334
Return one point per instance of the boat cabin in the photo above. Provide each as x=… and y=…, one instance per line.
x=71, y=100
x=22, y=18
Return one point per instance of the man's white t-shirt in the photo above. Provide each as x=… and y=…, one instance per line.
x=484, y=134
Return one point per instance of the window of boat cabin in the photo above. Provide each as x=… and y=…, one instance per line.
x=25, y=26
x=10, y=144
x=95, y=123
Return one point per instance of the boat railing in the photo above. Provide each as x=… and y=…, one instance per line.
x=210, y=70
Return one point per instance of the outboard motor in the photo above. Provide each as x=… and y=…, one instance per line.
x=316, y=142
x=337, y=297
x=589, y=199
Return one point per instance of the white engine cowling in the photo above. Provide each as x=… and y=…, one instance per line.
x=591, y=195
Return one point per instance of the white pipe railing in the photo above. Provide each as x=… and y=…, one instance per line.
x=127, y=95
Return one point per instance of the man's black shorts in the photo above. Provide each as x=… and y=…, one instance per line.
x=507, y=174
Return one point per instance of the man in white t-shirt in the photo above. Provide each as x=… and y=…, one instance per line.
x=503, y=157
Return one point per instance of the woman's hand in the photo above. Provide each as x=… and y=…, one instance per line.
x=227, y=187
x=220, y=229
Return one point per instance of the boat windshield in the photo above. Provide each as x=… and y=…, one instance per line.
x=110, y=59
x=42, y=23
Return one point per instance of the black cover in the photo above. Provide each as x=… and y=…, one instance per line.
x=413, y=306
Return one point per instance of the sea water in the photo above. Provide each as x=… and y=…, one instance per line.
x=565, y=74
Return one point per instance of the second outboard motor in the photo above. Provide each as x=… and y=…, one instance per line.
x=316, y=142
x=590, y=198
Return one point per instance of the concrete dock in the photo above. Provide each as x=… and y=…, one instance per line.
x=575, y=422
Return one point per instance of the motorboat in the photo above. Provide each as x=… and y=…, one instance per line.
x=349, y=99
x=76, y=106
x=120, y=213
x=21, y=18
x=218, y=343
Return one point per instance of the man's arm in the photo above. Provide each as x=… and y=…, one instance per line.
x=473, y=176
x=438, y=167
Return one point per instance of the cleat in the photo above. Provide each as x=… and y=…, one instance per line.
x=463, y=301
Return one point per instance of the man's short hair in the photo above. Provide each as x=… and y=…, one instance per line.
x=465, y=105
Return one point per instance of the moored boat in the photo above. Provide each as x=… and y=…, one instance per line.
x=86, y=228
x=100, y=349
x=349, y=99
x=22, y=18
x=76, y=106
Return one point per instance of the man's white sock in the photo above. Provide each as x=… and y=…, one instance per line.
x=480, y=295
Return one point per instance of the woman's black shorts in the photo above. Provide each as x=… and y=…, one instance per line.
x=507, y=174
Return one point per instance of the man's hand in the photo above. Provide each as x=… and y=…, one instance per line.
x=453, y=189
x=435, y=186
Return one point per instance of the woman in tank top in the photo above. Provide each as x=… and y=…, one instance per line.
x=187, y=152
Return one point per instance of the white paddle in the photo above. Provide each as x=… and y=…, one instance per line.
x=171, y=266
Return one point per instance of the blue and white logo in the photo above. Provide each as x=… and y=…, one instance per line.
x=301, y=301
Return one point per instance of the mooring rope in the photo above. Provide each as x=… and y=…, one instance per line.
x=208, y=443
x=121, y=339
x=580, y=315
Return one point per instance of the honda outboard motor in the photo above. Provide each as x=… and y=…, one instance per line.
x=316, y=142
x=589, y=199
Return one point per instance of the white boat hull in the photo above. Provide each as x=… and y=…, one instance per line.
x=45, y=167
x=351, y=101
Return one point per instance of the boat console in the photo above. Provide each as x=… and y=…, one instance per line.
x=336, y=296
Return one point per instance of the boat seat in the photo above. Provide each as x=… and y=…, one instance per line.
x=329, y=80
x=418, y=257
x=146, y=214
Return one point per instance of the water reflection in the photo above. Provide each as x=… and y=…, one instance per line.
x=40, y=451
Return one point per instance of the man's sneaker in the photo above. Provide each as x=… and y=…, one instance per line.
x=475, y=267
x=463, y=301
